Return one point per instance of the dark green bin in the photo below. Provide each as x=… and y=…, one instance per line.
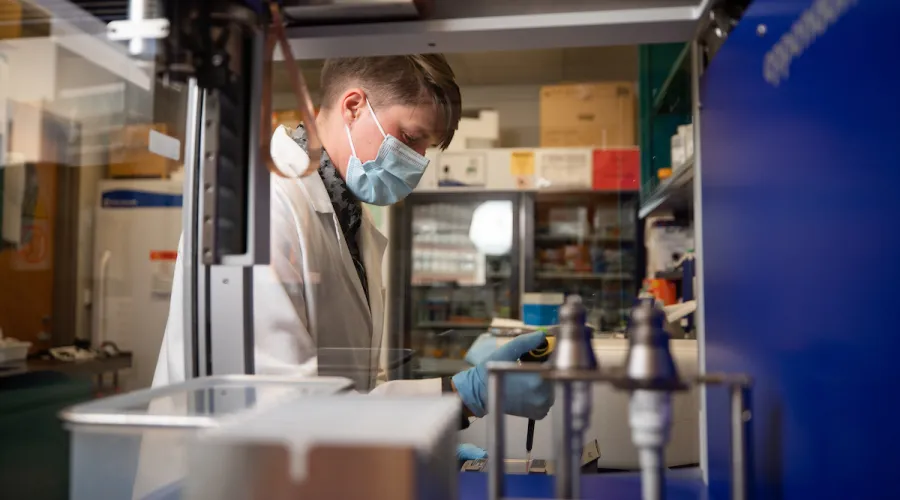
x=34, y=446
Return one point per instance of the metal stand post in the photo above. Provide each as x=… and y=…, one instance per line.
x=650, y=377
x=231, y=211
x=496, y=436
x=566, y=486
x=190, y=217
x=652, y=483
x=738, y=444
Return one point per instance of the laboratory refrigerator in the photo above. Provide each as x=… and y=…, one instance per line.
x=459, y=259
x=137, y=225
x=588, y=243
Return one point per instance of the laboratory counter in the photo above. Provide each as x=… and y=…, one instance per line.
x=97, y=366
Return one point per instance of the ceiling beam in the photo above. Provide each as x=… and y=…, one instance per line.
x=506, y=32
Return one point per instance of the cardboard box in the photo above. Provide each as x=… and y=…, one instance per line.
x=564, y=168
x=132, y=157
x=587, y=115
x=10, y=19
x=617, y=169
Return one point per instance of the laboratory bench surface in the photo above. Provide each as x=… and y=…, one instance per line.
x=97, y=366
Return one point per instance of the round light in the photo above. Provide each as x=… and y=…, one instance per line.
x=492, y=227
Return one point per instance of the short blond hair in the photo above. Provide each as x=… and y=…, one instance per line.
x=392, y=80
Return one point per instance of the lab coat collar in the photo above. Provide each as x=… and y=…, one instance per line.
x=373, y=245
x=379, y=240
x=292, y=160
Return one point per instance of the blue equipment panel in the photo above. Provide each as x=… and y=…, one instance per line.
x=801, y=214
x=680, y=485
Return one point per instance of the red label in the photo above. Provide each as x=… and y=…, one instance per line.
x=617, y=169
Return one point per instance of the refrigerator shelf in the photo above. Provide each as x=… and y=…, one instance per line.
x=564, y=275
x=589, y=238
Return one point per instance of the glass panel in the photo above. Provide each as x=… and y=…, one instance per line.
x=586, y=243
x=202, y=402
x=462, y=278
x=207, y=397
x=90, y=216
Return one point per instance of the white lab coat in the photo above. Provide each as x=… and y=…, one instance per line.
x=310, y=295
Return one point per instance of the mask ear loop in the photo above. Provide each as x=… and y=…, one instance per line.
x=350, y=139
x=375, y=118
x=301, y=93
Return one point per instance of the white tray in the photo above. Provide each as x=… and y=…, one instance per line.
x=13, y=351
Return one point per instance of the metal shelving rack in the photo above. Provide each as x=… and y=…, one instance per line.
x=675, y=192
x=664, y=90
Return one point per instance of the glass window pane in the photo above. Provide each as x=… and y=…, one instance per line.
x=463, y=265
x=90, y=216
x=586, y=243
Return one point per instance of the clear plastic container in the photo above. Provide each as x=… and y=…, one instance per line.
x=134, y=445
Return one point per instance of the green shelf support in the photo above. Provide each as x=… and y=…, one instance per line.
x=664, y=103
x=674, y=95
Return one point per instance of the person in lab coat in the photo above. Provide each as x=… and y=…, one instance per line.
x=324, y=286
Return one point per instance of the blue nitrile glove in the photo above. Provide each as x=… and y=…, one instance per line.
x=526, y=394
x=484, y=346
x=466, y=451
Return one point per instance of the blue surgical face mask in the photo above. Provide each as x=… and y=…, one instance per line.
x=391, y=176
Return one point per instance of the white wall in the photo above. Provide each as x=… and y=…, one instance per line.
x=518, y=106
x=32, y=69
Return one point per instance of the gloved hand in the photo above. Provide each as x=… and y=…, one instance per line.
x=526, y=394
x=484, y=346
x=466, y=451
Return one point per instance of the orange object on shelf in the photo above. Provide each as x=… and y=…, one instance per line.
x=664, y=173
x=663, y=290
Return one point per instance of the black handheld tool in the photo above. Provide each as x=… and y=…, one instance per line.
x=542, y=353
x=529, y=442
x=539, y=355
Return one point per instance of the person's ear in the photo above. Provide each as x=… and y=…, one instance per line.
x=351, y=105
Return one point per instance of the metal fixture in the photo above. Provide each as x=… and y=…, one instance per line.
x=650, y=376
x=573, y=352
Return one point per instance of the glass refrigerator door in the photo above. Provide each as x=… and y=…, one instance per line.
x=588, y=243
x=464, y=258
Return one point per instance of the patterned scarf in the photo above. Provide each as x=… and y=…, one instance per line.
x=346, y=206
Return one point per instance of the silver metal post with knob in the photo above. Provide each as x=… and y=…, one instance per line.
x=573, y=399
x=650, y=376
